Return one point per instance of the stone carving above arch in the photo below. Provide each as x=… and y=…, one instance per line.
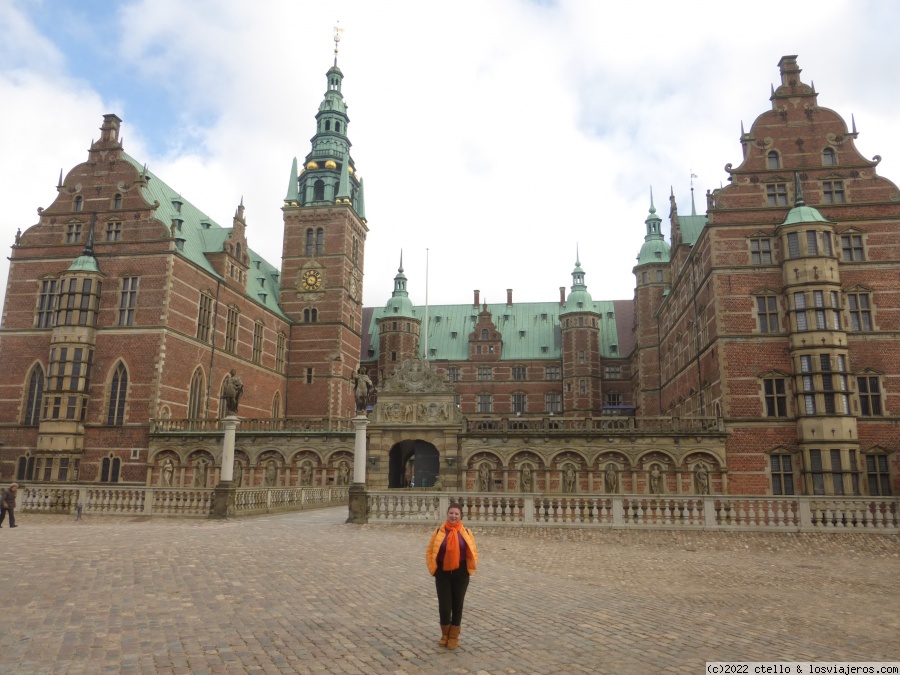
x=415, y=376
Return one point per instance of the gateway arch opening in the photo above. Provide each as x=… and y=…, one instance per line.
x=413, y=463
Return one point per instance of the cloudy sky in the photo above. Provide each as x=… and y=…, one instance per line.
x=496, y=134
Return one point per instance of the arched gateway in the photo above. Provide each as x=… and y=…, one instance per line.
x=413, y=463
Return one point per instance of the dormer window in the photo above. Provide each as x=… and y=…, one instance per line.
x=453, y=334
x=521, y=333
x=543, y=317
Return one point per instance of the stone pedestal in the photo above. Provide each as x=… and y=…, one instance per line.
x=224, y=493
x=358, y=499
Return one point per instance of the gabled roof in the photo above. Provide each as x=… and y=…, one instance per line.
x=203, y=235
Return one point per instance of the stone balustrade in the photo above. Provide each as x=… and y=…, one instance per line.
x=591, y=425
x=719, y=512
x=252, y=425
x=191, y=502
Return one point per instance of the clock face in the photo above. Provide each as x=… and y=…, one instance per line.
x=311, y=280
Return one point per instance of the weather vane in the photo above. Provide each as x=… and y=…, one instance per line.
x=337, y=38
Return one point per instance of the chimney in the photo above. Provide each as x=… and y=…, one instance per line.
x=509, y=297
x=477, y=301
x=790, y=71
x=562, y=295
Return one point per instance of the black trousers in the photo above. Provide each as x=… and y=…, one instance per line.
x=12, y=516
x=451, y=591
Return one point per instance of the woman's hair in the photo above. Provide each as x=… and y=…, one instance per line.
x=454, y=505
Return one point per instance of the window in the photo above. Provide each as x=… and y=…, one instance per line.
x=354, y=255
x=117, y=201
x=776, y=397
x=310, y=315
x=453, y=373
x=837, y=474
x=817, y=472
x=117, y=392
x=79, y=203
x=484, y=403
x=35, y=394
x=659, y=276
x=231, y=330
x=580, y=355
x=613, y=398
x=310, y=241
x=484, y=334
x=279, y=353
x=761, y=251
x=519, y=403
x=69, y=378
x=812, y=247
x=582, y=386
x=127, y=301
x=776, y=194
x=612, y=372
x=826, y=244
x=113, y=231
x=320, y=241
x=782, y=475
x=869, y=396
x=829, y=158
x=204, y=317
x=879, y=475
x=800, y=314
x=552, y=373
x=257, y=342
x=73, y=233
x=485, y=373
x=318, y=191
x=819, y=313
x=309, y=375
x=809, y=399
x=478, y=349
x=860, y=312
x=453, y=334
x=63, y=472
x=276, y=405
x=773, y=161
x=852, y=247
x=109, y=470
x=518, y=373
x=833, y=191
x=393, y=356
x=195, y=397
x=46, y=303
x=553, y=401
x=767, y=310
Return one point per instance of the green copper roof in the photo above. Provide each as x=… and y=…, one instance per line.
x=530, y=331
x=578, y=300
x=654, y=249
x=84, y=263
x=400, y=305
x=691, y=227
x=804, y=214
x=201, y=235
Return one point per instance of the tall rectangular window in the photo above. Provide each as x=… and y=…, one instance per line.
x=613, y=399
x=852, y=247
x=519, y=403
x=816, y=470
x=279, y=353
x=204, y=317
x=860, y=312
x=793, y=240
x=833, y=191
x=309, y=375
x=553, y=401
x=484, y=403
x=127, y=301
x=869, y=396
x=835, y=311
x=767, y=310
x=582, y=386
x=776, y=194
x=879, y=475
x=485, y=373
x=257, y=342
x=46, y=303
x=812, y=247
x=837, y=472
x=761, y=251
x=826, y=244
x=518, y=372
x=231, y=330
x=782, y=475
x=776, y=397
x=800, y=306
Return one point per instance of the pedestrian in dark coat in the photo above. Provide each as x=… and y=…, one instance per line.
x=8, y=504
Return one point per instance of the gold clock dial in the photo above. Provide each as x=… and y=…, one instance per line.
x=311, y=280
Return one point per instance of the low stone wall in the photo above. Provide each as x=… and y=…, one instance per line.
x=190, y=502
x=879, y=515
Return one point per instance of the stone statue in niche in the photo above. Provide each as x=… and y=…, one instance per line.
x=701, y=476
x=569, y=478
x=655, y=480
x=526, y=478
x=343, y=473
x=305, y=473
x=168, y=472
x=238, y=474
x=484, y=478
x=201, y=473
x=612, y=479
x=408, y=412
x=271, y=475
x=362, y=389
x=232, y=390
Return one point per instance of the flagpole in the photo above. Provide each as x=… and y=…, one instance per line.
x=426, y=305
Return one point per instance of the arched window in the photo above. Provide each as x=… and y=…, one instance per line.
x=79, y=203
x=276, y=405
x=327, y=125
x=319, y=190
x=35, y=394
x=829, y=158
x=337, y=126
x=320, y=241
x=310, y=241
x=195, y=397
x=484, y=333
x=117, y=201
x=109, y=470
x=237, y=251
x=117, y=391
x=310, y=315
x=773, y=161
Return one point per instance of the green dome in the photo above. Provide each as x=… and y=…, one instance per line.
x=804, y=214
x=400, y=304
x=579, y=299
x=654, y=251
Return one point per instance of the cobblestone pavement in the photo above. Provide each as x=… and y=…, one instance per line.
x=304, y=593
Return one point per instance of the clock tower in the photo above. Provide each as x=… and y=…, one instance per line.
x=322, y=265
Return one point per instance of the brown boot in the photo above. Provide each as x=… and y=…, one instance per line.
x=445, y=633
x=453, y=638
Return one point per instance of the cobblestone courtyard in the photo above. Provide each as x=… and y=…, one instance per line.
x=302, y=592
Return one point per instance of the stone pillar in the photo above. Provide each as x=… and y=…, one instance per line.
x=358, y=511
x=224, y=492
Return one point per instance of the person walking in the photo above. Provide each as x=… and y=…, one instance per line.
x=8, y=504
x=451, y=557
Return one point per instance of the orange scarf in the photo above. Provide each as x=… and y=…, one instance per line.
x=451, y=553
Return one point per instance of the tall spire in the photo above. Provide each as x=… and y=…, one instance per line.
x=337, y=39
x=693, y=205
x=798, y=191
x=652, y=221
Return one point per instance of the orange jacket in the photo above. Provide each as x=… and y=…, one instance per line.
x=434, y=547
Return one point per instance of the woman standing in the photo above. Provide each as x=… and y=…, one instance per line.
x=451, y=557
